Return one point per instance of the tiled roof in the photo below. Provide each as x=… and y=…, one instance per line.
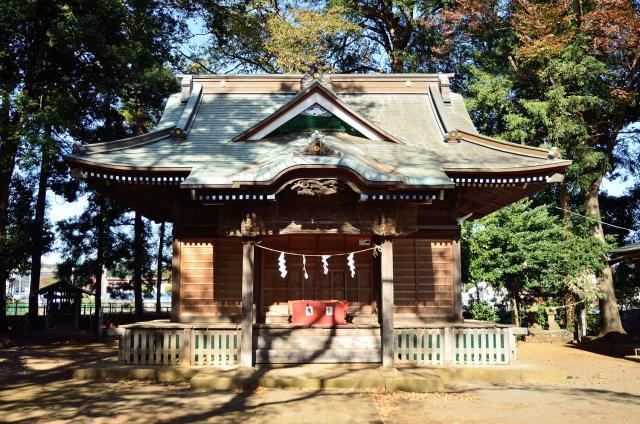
x=415, y=119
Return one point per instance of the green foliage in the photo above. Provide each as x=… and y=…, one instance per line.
x=627, y=284
x=273, y=36
x=71, y=70
x=526, y=249
x=339, y=35
x=481, y=310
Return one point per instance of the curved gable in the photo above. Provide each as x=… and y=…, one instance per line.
x=316, y=97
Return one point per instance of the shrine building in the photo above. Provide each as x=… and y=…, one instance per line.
x=316, y=219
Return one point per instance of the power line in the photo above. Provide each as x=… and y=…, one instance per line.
x=595, y=220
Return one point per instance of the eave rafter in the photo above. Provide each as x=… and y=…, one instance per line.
x=131, y=177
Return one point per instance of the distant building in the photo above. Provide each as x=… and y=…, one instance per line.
x=484, y=292
x=18, y=285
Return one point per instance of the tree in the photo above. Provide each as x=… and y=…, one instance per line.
x=407, y=35
x=277, y=36
x=339, y=35
x=163, y=261
x=94, y=240
x=16, y=235
x=558, y=73
x=65, y=77
x=138, y=263
x=527, y=250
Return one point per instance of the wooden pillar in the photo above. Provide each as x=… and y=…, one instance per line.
x=246, y=338
x=386, y=277
x=457, y=280
x=175, y=282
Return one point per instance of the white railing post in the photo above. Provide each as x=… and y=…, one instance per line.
x=185, y=347
x=448, y=344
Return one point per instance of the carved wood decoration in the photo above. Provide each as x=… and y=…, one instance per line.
x=318, y=187
x=252, y=226
x=322, y=77
x=317, y=147
x=384, y=226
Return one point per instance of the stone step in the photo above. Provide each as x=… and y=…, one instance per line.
x=316, y=332
x=331, y=356
x=318, y=342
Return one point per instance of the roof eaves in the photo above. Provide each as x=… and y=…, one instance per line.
x=503, y=146
x=88, y=163
x=61, y=284
x=628, y=248
x=124, y=143
x=556, y=165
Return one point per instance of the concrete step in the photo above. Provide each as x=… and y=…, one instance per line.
x=330, y=356
x=635, y=358
x=276, y=319
x=317, y=342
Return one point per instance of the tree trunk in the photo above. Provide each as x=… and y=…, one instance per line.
x=138, y=245
x=37, y=240
x=99, y=265
x=610, y=316
x=8, y=152
x=564, y=203
x=515, y=313
x=3, y=303
x=159, y=272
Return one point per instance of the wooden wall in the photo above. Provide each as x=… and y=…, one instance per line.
x=209, y=280
x=424, y=274
x=209, y=277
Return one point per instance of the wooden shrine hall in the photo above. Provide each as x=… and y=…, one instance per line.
x=342, y=193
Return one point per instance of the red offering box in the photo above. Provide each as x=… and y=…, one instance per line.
x=319, y=312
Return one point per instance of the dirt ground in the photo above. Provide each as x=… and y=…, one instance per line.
x=35, y=387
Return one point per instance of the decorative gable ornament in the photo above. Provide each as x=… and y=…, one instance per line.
x=317, y=110
x=322, y=77
x=317, y=147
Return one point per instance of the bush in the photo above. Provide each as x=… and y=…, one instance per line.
x=481, y=310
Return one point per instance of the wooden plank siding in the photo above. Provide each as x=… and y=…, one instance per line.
x=423, y=277
x=210, y=279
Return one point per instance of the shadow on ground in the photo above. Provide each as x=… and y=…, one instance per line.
x=35, y=387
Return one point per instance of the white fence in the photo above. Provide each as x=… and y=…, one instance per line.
x=454, y=345
x=420, y=346
x=167, y=346
x=171, y=345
